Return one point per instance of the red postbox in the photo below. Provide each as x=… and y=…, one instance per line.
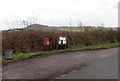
x=46, y=41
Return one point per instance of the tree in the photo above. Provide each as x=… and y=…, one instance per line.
x=101, y=25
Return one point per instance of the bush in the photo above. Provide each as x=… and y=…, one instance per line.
x=26, y=41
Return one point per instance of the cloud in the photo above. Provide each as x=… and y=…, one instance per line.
x=59, y=12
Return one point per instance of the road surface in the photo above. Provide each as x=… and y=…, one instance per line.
x=103, y=69
x=53, y=65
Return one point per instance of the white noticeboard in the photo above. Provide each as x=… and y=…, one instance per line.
x=62, y=40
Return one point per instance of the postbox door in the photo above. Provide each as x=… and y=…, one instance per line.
x=46, y=41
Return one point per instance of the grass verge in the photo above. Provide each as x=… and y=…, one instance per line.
x=20, y=56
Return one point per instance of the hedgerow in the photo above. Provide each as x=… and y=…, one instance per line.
x=26, y=41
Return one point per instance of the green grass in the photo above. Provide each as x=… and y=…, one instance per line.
x=20, y=56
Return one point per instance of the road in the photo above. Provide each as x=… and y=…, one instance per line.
x=53, y=65
x=103, y=69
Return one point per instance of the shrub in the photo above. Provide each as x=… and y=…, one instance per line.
x=25, y=41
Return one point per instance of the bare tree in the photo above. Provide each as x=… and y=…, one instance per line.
x=80, y=24
x=7, y=24
x=24, y=23
x=101, y=25
x=70, y=22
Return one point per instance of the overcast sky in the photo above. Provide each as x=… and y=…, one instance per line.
x=59, y=12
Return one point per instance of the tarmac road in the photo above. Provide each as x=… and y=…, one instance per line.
x=103, y=69
x=53, y=65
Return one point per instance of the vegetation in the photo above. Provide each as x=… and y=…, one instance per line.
x=27, y=41
x=20, y=56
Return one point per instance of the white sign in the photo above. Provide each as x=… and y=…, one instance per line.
x=62, y=40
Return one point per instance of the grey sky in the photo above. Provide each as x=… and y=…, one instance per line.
x=59, y=12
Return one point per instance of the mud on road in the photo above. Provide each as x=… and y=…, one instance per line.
x=53, y=65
